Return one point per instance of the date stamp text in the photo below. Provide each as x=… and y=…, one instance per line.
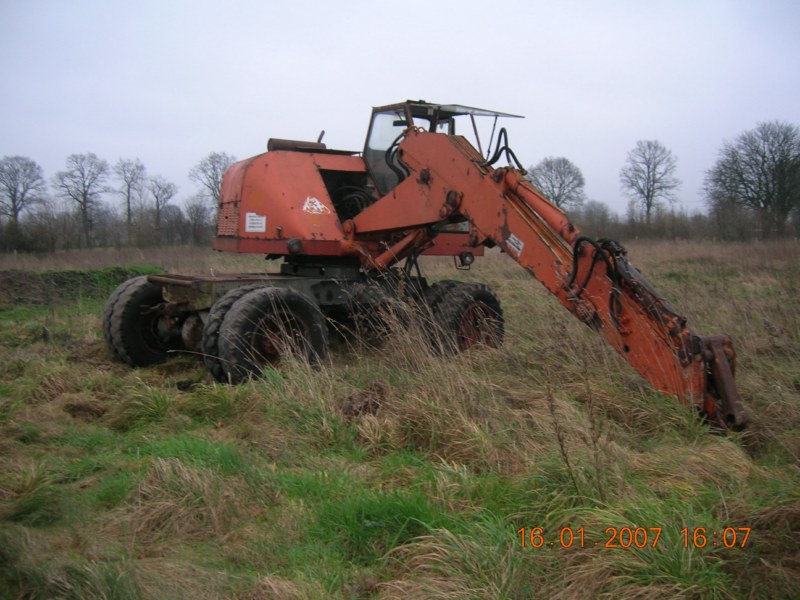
x=631, y=537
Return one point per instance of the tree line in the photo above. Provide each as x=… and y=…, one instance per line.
x=72, y=212
x=752, y=191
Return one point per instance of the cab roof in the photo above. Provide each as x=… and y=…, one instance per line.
x=426, y=110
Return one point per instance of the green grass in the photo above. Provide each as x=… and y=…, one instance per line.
x=159, y=482
x=112, y=489
x=191, y=450
x=362, y=528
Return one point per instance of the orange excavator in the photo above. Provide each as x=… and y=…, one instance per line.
x=351, y=227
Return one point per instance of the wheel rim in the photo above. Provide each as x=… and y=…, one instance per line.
x=277, y=335
x=158, y=332
x=477, y=326
x=152, y=330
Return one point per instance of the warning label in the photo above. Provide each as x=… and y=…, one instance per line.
x=313, y=206
x=255, y=223
x=515, y=244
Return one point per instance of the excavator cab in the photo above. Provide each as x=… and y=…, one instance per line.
x=389, y=123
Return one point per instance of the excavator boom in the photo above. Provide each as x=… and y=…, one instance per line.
x=445, y=180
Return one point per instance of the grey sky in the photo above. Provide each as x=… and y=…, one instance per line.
x=168, y=82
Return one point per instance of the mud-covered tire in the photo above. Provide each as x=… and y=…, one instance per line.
x=375, y=323
x=210, y=344
x=464, y=315
x=131, y=328
x=108, y=310
x=437, y=290
x=266, y=324
x=375, y=315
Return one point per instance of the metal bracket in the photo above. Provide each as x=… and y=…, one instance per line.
x=723, y=405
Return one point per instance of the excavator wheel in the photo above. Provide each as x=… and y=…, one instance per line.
x=465, y=315
x=437, y=290
x=432, y=298
x=107, y=311
x=266, y=324
x=375, y=321
x=135, y=332
x=210, y=344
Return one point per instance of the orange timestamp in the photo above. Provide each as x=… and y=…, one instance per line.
x=632, y=537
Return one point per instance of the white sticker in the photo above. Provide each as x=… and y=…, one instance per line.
x=315, y=207
x=255, y=223
x=515, y=243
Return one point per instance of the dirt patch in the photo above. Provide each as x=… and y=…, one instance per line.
x=83, y=408
x=365, y=402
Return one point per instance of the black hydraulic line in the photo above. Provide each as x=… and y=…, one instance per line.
x=391, y=154
x=498, y=150
x=614, y=302
x=504, y=148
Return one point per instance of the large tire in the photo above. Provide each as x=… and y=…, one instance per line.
x=376, y=315
x=375, y=324
x=436, y=291
x=210, y=344
x=107, y=313
x=464, y=315
x=135, y=333
x=265, y=325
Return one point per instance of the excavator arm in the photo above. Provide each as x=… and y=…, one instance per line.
x=446, y=180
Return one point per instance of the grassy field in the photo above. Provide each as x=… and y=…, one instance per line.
x=159, y=483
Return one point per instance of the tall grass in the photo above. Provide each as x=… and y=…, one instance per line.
x=390, y=471
x=174, y=259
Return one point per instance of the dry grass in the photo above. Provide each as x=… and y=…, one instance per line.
x=457, y=421
x=161, y=483
x=275, y=588
x=174, y=259
x=444, y=565
x=175, y=503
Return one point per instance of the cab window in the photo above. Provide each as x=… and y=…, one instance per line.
x=385, y=130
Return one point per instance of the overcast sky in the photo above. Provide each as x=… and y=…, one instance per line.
x=168, y=82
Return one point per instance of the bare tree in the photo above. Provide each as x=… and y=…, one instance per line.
x=176, y=227
x=162, y=192
x=198, y=213
x=209, y=171
x=560, y=181
x=648, y=177
x=42, y=227
x=132, y=175
x=760, y=172
x=595, y=218
x=82, y=183
x=22, y=184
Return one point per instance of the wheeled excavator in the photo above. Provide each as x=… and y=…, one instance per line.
x=350, y=228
